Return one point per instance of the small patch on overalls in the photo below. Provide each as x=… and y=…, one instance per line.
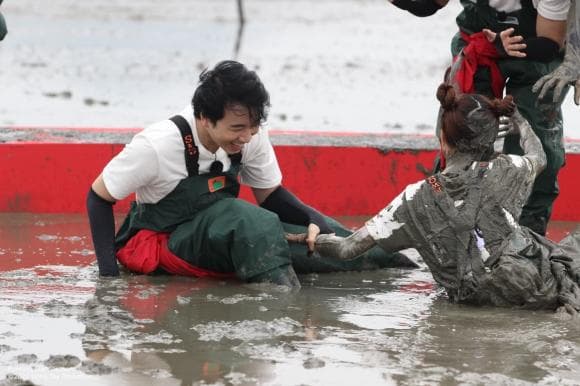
x=216, y=183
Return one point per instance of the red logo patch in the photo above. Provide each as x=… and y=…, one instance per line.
x=191, y=150
x=434, y=184
x=216, y=183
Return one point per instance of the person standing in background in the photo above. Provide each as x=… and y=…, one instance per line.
x=491, y=67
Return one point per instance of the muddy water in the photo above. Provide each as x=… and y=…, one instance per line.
x=62, y=325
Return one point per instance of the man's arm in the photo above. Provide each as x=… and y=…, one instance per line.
x=569, y=71
x=292, y=211
x=100, y=210
x=544, y=47
x=421, y=8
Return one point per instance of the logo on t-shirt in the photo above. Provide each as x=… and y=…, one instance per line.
x=216, y=183
x=435, y=185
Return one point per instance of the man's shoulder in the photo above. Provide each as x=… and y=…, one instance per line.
x=165, y=129
x=259, y=142
x=161, y=135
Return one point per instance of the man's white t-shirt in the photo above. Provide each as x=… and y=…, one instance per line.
x=153, y=163
x=550, y=9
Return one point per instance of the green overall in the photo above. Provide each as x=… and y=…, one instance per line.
x=214, y=230
x=544, y=116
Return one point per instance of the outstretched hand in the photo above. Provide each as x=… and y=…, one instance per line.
x=568, y=73
x=313, y=232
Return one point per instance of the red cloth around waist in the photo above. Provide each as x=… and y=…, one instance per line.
x=147, y=251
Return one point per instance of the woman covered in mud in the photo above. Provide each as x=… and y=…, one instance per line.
x=463, y=220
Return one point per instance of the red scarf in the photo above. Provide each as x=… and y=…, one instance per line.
x=479, y=52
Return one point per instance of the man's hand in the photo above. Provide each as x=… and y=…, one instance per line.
x=308, y=238
x=313, y=232
x=512, y=45
x=567, y=73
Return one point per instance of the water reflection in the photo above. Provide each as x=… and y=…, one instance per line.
x=62, y=325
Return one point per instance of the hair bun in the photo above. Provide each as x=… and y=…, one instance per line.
x=446, y=96
x=505, y=106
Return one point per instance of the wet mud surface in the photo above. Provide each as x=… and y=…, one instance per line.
x=330, y=65
x=62, y=325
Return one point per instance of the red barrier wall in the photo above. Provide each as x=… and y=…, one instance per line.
x=55, y=177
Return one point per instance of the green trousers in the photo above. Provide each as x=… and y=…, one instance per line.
x=235, y=236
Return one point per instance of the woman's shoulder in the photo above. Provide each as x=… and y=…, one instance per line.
x=513, y=162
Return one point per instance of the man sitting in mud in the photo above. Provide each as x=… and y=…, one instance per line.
x=463, y=220
x=187, y=219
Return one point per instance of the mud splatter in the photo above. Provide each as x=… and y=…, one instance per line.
x=248, y=330
x=55, y=361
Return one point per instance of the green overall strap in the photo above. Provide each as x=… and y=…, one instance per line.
x=191, y=150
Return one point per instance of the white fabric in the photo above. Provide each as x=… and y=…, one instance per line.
x=506, y=6
x=153, y=163
x=550, y=9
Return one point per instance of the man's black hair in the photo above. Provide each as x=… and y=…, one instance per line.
x=230, y=83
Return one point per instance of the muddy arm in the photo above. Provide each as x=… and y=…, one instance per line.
x=569, y=71
x=345, y=248
x=385, y=229
x=530, y=143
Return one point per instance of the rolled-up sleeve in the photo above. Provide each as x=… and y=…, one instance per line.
x=553, y=9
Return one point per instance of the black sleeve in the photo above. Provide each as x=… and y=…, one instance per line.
x=102, y=223
x=419, y=8
x=537, y=48
x=293, y=211
x=541, y=49
x=3, y=30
